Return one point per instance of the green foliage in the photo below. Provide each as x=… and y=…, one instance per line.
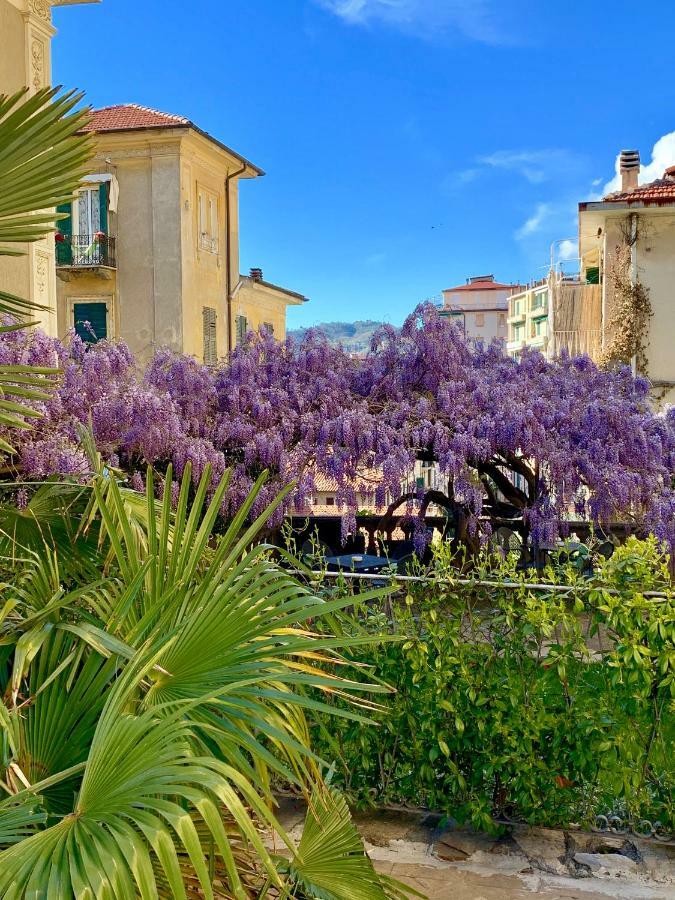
x=544, y=706
x=42, y=161
x=145, y=710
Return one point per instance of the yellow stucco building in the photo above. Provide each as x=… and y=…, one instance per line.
x=150, y=250
x=26, y=33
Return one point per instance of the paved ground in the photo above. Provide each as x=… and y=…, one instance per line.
x=524, y=864
x=453, y=883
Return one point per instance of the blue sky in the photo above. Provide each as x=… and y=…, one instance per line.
x=408, y=144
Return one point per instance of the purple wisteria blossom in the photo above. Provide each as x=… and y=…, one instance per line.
x=543, y=438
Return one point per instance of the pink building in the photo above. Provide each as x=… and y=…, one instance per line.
x=480, y=307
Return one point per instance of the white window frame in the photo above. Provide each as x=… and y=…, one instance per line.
x=75, y=211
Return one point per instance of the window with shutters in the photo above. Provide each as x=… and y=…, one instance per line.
x=90, y=320
x=267, y=328
x=83, y=236
x=209, y=336
x=242, y=328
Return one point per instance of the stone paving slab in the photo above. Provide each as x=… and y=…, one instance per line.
x=457, y=864
x=456, y=884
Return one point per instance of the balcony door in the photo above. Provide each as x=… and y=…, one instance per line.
x=87, y=209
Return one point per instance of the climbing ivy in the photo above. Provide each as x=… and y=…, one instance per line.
x=630, y=309
x=537, y=705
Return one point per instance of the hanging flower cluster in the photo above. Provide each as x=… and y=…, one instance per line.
x=544, y=437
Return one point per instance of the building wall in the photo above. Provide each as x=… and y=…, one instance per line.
x=528, y=324
x=145, y=290
x=483, y=313
x=168, y=271
x=656, y=270
x=25, y=61
x=260, y=305
x=207, y=268
x=655, y=262
x=13, y=57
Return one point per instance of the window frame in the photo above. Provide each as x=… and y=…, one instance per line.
x=107, y=301
x=208, y=219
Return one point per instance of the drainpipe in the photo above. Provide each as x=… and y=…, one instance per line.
x=551, y=345
x=603, y=295
x=229, y=287
x=633, y=271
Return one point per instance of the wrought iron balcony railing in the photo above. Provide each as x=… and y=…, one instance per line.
x=81, y=250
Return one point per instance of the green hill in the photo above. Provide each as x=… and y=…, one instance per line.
x=353, y=336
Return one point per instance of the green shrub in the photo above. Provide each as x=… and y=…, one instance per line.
x=544, y=706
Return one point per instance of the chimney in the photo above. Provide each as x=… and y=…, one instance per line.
x=629, y=167
x=256, y=274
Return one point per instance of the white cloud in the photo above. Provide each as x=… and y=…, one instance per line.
x=474, y=19
x=536, y=221
x=568, y=250
x=534, y=165
x=663, y=155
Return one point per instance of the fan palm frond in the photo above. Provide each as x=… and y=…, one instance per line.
x=42, y=161
x=330, y=862
x=152, y=709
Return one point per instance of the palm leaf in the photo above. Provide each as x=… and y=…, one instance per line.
x=330, y=862
x=19, y=818
x=151, y=707
x=42, y=161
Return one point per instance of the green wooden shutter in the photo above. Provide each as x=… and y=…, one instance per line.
x=96, y=314
x=103, y=199
x=593, y=275
x=242, y=327
x=210, y=343
x=64, y=249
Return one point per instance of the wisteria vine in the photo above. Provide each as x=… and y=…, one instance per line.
x=577, y=437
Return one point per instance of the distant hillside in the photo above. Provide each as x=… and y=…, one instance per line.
x=353, y=336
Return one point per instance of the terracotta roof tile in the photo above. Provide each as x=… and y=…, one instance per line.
x=661, y=191
x=131, y=116
x=485, y=286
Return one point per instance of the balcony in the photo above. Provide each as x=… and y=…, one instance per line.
x=85, y=251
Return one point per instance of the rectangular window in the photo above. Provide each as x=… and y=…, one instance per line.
x=267, y=327
x=242, y=328
x=480, y=320
x=82, y=236
x=209, y=336
x=539, y=326
x=207, y=204
x=90, y=319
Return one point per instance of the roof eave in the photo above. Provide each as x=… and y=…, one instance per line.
x=623, y=205
x=295, y=298
x=255, y=171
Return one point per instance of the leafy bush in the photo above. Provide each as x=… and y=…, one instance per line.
x=151, y=679
x=539, y=705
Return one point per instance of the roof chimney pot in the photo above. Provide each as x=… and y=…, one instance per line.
x=629, y=167
x=256, y=274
